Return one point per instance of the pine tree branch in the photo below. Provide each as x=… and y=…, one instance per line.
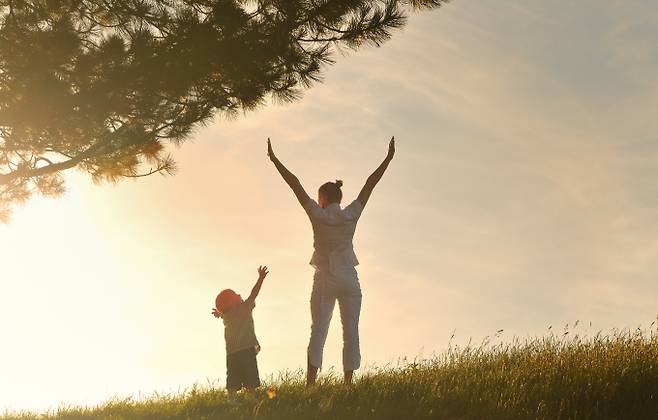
x=52, y=168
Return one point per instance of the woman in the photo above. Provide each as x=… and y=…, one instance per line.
x=334, y=260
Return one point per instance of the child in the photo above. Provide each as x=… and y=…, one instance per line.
x=241, y=343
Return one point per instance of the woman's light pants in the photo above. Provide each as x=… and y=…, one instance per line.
x=327, y=288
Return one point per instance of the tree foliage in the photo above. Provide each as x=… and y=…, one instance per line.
x=105, y=85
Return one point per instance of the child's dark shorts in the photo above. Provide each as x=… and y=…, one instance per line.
x=242, y=369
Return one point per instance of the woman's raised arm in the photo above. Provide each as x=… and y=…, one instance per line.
x=374, y=178
x=288, y=176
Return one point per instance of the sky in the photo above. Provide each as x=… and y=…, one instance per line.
x=523, y=195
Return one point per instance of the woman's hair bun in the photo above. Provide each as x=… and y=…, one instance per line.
x=331, y=191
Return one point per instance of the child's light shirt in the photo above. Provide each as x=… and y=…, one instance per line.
x=239, y=327
x=333, y=231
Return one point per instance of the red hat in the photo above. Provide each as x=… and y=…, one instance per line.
x=226, y=299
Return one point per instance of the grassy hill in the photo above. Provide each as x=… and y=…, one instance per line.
x=560, y=376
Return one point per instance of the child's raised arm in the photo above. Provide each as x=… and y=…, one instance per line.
x=262, y=272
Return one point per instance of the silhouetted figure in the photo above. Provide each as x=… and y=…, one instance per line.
x=334, y=260
x=241, y=343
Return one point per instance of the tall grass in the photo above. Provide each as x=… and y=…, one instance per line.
x=559, y=376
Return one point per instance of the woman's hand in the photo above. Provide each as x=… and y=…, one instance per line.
x=216, y=313
x=391, y=149
x=270, y=152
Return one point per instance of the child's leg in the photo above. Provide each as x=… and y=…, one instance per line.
x=251, y=378
x=233, y=375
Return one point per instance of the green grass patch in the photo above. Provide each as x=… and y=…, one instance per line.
x=564, y=376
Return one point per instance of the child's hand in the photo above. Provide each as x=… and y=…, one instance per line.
x=216, y=313
x=262, y=272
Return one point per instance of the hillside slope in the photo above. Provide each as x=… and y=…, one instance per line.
x=613, y=376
